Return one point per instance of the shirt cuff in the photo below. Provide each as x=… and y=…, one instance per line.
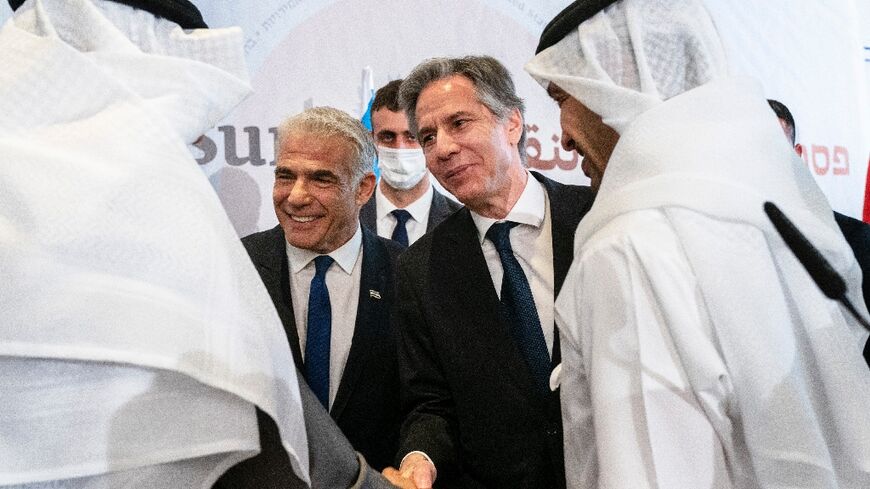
x=435, y=475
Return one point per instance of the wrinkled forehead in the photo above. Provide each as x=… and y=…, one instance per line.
x=449, y=94
x=332, y=149
x=392, y=120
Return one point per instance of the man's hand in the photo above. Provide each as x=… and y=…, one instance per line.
x=419, y=469
x=397, y=480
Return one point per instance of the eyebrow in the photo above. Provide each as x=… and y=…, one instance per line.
x=323, y=174
x=459, y=114
x=313, y=174
x=448, y=118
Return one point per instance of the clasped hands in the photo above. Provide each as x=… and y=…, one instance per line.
x=416, y=472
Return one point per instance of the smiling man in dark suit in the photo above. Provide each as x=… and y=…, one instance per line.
x=405, y=205
x=330, y=280
x=475, y=297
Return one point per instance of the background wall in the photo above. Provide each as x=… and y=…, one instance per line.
x=812, y=56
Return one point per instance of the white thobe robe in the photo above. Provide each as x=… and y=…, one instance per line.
x=136, y=337
x=697, y=352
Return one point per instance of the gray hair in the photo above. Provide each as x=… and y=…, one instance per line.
x=329, y=122
x=492, y=81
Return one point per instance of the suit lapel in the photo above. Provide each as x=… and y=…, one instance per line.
x=368, y=214
x=438, y=212
x=371, y=317
x=564, y=218
x=275, y=272
x=565, y=201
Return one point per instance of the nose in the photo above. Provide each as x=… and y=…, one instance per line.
x=444, y=146
x=406, y=143
x=299, y=195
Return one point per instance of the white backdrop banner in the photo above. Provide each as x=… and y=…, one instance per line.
x=812, y=56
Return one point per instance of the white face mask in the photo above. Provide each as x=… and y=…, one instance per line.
x=401, y=168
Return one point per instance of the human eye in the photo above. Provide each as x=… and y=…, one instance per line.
x=324, y=179
x=426, y=139
x=284, y=175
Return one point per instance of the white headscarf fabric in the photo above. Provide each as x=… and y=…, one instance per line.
x=632, y=56
x=136, y=337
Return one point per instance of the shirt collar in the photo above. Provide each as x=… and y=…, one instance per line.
x=419, y=209
x=345, y=255
x=529, y=209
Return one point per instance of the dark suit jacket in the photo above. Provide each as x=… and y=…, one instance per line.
x=857, y=234
x=441, y=208
x=471, y=401
x=366, y=406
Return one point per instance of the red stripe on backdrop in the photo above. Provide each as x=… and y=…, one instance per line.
x=866, y=214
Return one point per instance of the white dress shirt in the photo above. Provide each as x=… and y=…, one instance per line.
x=532, y=243
x=416, y=225
x=342, y=281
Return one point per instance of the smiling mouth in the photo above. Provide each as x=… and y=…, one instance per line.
x=456, y=171
x=302, y=218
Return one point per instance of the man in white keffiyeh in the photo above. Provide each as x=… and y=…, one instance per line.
x=697, y=352
x=136, y=338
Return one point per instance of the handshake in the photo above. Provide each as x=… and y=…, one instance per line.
x=416, y=472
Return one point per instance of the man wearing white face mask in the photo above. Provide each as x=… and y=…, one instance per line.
x=405, y=205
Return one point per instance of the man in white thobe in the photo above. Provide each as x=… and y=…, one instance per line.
x=136, y=338
x=697, y=351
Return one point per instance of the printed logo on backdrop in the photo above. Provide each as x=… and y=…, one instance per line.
x=823, y=160
x=534, y=14
x=269, y=22
x=244, y=146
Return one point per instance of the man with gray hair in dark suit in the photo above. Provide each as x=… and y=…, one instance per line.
x=475, y=297
x=331, y=280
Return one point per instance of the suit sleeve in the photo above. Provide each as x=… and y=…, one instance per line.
x=430, y=421
x=332, y=460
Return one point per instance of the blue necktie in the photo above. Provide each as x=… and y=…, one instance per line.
x=400, y=232
x=519, y=305
x=319, y=332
